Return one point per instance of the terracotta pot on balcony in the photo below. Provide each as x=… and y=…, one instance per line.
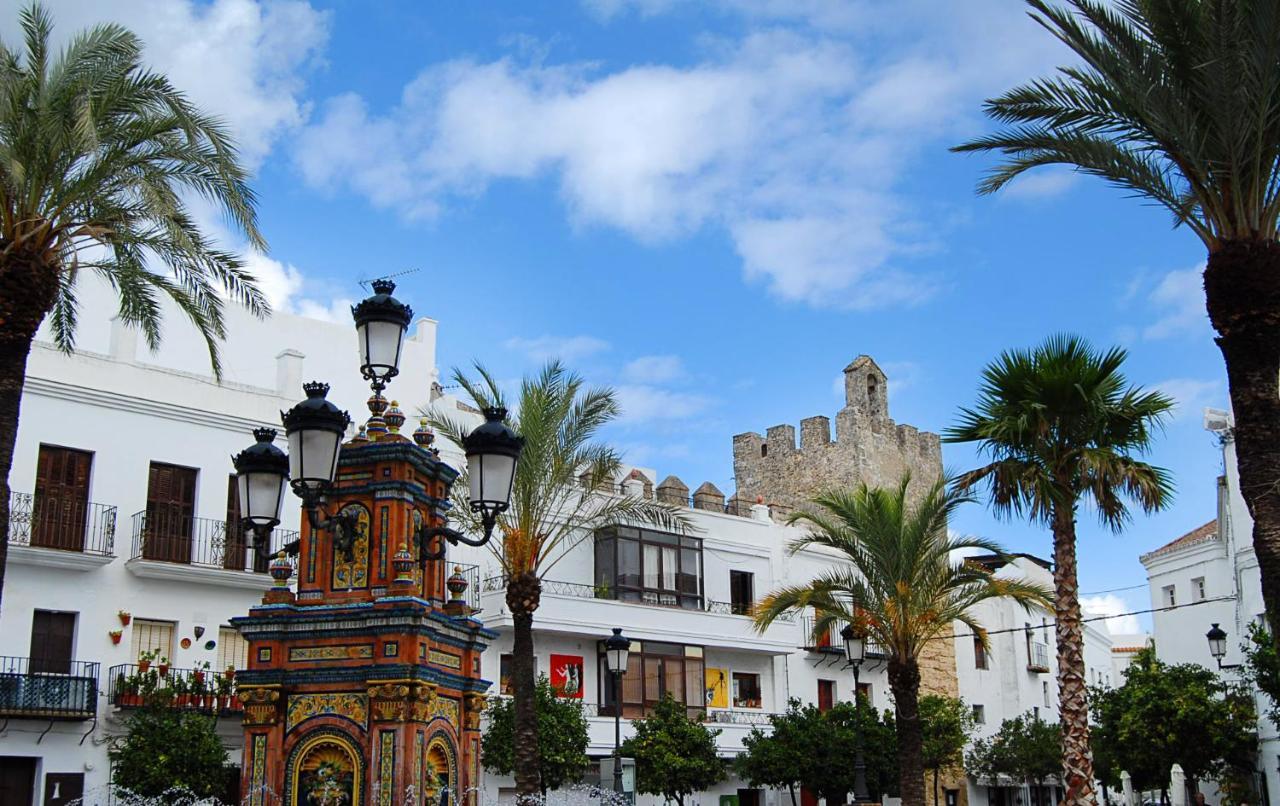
x=143, y=664
x=164, y=669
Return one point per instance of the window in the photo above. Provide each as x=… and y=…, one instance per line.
x=654, y=670
x=233, y=650
x=60, y=511
x=826, y=695
x=1044, y=685
x=1035, y=712
x=641, y=565
x=979, y=654
x=741, y=591
x=171, y=510
x=864, y=691
x=152, y=636
x=1197, y=589
x=53, y=636
x=980, y=714
x=504, y=672
x=1170, y=599
x=746, y=690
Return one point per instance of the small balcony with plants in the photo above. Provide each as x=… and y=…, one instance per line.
x=152, y=681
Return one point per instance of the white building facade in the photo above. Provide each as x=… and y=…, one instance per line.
x=1210, y=576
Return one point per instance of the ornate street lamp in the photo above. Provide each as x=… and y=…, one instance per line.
x=381, y=321
x=616, y=649
x=855, y=647
x=492, y=450
x=1218, y=646
x=261, y=470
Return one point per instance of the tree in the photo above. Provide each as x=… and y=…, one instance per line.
x=1174, y=102
x=946, y=723
x=167, y=751
x=675, y=756
x=96, y=154
x=1061, y=424
x=1026, y=748
x=1262, y=666
x=555, y=505
x=895, y=582
x=812, y=749
x=1181, y=713
x=562, y=736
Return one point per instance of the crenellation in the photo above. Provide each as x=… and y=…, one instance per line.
x=780, y=440
x=673, y=491
x=815, y=432
x=708, y=497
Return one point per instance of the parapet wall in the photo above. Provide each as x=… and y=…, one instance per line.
x=868, y=446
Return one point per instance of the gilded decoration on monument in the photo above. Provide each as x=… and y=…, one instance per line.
x=352, y=570
x=305, y=706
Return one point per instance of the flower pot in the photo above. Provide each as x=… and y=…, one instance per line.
x=125, y=618
x=116, y=635
x=129, y=700
x=164, y=669
x=144, y=664
x=198, y=676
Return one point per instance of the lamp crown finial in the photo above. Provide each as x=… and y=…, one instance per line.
x=383, y=286
x=316, y=389
x=265, y=434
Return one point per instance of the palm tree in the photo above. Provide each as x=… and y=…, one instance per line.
x=1175, y=101
x=895, y=581
x=1060, y=424
x=96, y=154
x=557, y=502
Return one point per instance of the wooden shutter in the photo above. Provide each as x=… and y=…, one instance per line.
x=171, y=509
x=233, y=650
x=152, y=636
x=826, y=694
x=61, y=509
x=233, y=556
x=52, y=640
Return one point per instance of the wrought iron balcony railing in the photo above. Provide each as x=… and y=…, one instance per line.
x=51, y=522
x=1038, y=657
x=167, y=536
x=48, y=688
x=185, y=689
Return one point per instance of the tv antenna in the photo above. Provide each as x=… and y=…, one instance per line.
x=365, y=283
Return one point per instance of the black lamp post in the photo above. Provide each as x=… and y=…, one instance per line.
x=315, y=428
x=261, y=470
x=855, y=647
x=616, y=649
x=1218, y=646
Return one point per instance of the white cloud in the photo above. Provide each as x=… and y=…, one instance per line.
x=566, y=348
x=791, y=139
x=654, y=369
x=239, y=59
x=1192, y=395
x=1179, y=299
x=1109, y=604
x=643, y=403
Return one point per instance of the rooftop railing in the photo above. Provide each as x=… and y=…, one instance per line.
x=167, y=536
x=50, y=522
x=48, y=688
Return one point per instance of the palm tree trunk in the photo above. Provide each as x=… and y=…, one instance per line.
x=904, y=681
x=27, y=290
x=1073, y=702
x=524, y=593
x=1243, y=300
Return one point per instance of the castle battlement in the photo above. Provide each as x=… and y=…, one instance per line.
x=867, y=446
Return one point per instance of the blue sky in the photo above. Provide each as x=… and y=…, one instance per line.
x=711, y=206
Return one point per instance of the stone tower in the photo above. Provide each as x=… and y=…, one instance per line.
x=364, y=687
x=868, y=446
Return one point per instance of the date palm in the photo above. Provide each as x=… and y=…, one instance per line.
x=1061, y=424
x=894, y=579
x=1175, y=102
x=96, y=155
x=557, y=502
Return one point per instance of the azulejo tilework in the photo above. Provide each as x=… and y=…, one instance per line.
x=446, y=659
x=305, y=706
x=337, y=652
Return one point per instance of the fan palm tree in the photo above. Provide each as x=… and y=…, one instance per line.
x=96, y=154
x=1061, y=424
x=557, y=502
x=894, y=580
x=1175, y=102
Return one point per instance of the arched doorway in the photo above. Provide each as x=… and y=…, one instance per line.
x=441, y=783
x=325, y=771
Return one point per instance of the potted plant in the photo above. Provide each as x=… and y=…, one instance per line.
x=145, y=659
x=229, y=672
x=163, y=665
x=198, y=672
x=125, y=617
x=116, y=635
x=224, y=685
x=182, y=688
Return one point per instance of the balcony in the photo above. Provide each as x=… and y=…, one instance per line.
x=168, y=547
x=831, y=643
x=1037, y=657
x=197, y=690
x=575, y=608
x=61, y=533
x=40, y=688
